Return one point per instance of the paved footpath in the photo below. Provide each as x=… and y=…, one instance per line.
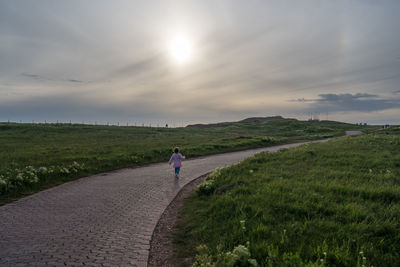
x=101, y=220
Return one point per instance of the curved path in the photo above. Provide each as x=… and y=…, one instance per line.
x=101, y=220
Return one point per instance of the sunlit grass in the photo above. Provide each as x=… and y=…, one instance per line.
x=333, y=204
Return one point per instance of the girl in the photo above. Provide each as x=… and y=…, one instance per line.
x=177, y=159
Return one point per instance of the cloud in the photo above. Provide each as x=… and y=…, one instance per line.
x=344, y=97
x=302, y=100
x=61, y=107
x=34, y=76
x=74, y=81
x=349, y=102
x=43, y=78
x=147, y=64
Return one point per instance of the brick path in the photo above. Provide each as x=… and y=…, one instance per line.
x=102, y=220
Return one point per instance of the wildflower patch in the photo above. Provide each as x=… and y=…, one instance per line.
x=15, y=179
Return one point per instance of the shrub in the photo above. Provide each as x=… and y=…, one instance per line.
x=3, y=184
x=206, y=188
x=209, y=185
x=238, y=257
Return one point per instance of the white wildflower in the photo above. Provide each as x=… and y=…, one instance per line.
x=242, y=223
x=19, y=177
x=42, y=170
x=2, y=181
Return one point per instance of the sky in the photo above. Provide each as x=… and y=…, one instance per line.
x=120, y=61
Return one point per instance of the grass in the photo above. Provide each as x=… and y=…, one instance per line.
x=37, y=156
x=326, y=204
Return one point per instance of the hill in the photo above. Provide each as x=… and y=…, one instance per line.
x=252, y=120
x=279, y=126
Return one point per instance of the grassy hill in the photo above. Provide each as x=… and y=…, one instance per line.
x=278, y=126
x=325, y=204
x=38, y=156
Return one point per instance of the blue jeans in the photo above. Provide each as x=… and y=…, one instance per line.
x=177, y=170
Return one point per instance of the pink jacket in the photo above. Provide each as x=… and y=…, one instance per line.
x=177, y=159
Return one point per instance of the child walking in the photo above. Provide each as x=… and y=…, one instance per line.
x=176, y=158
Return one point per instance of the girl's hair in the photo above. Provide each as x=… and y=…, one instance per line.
x=176, y=149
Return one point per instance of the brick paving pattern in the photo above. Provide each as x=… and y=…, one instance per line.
x=101, y=220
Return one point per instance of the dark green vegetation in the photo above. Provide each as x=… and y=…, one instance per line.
x=332, y=204
x=71, y=151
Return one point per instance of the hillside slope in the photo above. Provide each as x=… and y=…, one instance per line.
x=335, y=203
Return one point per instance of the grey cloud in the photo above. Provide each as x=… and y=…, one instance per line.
x=58, y=108
x=12, y=94
x=149, y=73
x=146, y=64
x=43, y=78
x=302, y=100
x=34, y=76
x=349, y=102
x=344, y=97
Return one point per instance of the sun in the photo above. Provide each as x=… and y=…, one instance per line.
x=181, y=49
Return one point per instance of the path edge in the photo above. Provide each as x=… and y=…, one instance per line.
x=161, y=246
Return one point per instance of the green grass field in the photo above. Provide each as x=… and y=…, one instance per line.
x=328, y=204
x=37, y=156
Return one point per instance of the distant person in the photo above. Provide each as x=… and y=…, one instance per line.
x=176, y=158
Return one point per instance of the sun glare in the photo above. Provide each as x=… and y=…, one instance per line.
x=180, y=49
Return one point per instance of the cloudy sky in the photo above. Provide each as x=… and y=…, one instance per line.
x=199, y=61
